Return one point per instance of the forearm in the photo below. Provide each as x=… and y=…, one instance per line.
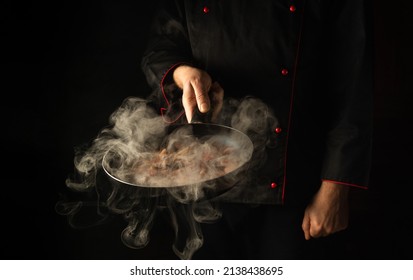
x=349, y=98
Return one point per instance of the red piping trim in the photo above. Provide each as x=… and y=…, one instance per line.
x=162, y=111
x=347, y=184
x=291, y=103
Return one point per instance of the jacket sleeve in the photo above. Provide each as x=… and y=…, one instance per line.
x=349, y=86
x=167, y=48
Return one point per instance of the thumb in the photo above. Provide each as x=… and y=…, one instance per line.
x=306, y=226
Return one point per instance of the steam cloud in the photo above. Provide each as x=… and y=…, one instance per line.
x=135, y=133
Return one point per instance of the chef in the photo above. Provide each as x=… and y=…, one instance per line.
x=310, y=62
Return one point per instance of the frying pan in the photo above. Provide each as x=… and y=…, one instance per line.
x=239, y=144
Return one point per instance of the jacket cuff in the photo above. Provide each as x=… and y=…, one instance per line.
x=346, y=184
x=172, y=111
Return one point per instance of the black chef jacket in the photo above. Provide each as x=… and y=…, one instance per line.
x=309, y=60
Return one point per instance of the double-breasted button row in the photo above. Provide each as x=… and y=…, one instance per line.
x=292, y=9
x=284, y=71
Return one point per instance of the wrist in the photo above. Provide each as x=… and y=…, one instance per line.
x=334, y=187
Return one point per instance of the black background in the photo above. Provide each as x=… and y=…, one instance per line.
x=67, y=65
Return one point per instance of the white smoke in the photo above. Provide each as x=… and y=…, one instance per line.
x=134, y=132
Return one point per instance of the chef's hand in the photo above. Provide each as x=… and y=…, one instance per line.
x=198, y=90
x=328, y=212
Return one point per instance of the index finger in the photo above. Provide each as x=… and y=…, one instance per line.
x=202, y=97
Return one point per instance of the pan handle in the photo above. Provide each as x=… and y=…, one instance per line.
x=199, y=117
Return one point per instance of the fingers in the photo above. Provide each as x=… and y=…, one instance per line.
x=198, y=90
x=201, y=90
x=195, y=84
x=306, y=226
x=188, y=101
x=314, y=229
x=311, y=231
x=195, y=94
x=327, y=213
